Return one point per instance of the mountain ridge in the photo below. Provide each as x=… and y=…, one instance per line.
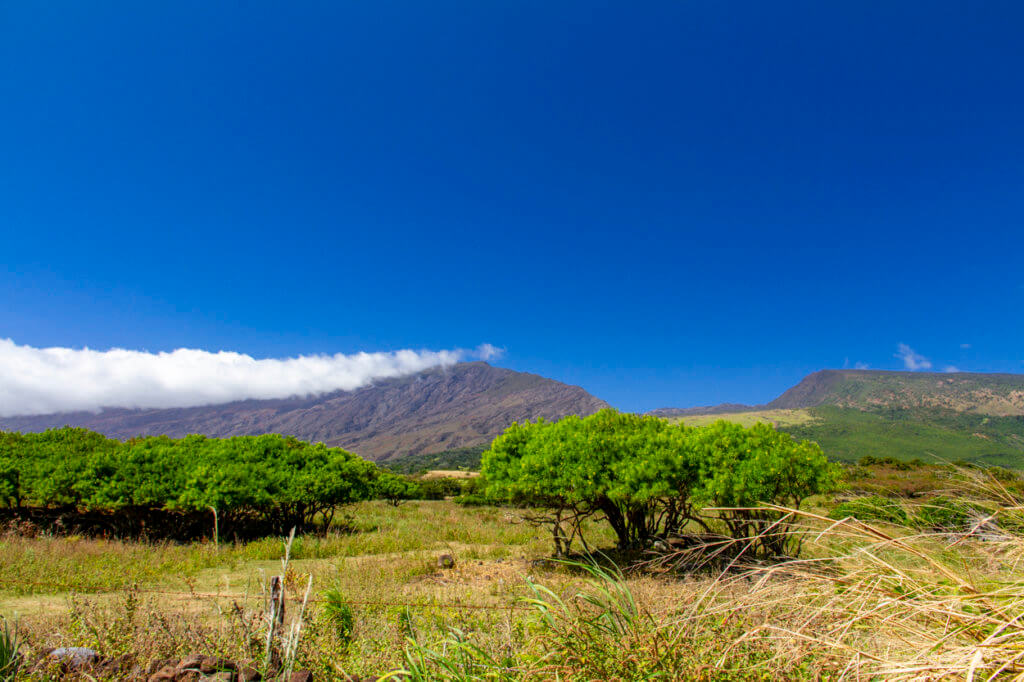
x=458, y=406
x=996, y=394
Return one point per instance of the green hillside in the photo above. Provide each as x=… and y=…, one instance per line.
x=848, y=434
x=989, y=394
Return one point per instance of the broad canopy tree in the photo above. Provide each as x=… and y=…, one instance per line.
x=649, y=478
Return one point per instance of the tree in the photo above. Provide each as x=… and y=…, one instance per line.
x=395, y=488
x=648, y=478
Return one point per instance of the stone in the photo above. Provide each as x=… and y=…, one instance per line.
x=224, y=676
x=247, y=674
x=190, y=662
x=301, y=676
x=211, y=664
x=74, y=657
x=168, y=673
x=446, y=561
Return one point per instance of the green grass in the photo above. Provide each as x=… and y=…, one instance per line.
x=380, y=602
x=846, y=435
x=930, y=434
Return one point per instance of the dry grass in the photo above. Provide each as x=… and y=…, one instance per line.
x=862, y=602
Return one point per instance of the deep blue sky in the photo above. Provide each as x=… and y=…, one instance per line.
x=669, y=203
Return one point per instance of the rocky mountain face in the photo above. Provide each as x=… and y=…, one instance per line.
x=438, y=409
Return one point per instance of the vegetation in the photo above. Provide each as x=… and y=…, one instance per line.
x=650, y=479
x=456, y=459
x=865, y=600
x=171, y=487
x=912, y=571
x=932, y=434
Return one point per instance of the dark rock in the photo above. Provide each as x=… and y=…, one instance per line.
x=446, y=561
x=301, y=676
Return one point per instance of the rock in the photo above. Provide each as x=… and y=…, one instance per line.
x=191, y=662
x=247, y=674
x=446, y=561
x=168, y=673
x=225, y=676
x=74, y=657
x=210, y=664
x=301, y=676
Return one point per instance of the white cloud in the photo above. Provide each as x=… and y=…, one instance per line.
x=861, y=365
x=965, y=346
x=45, y=380
x=951, y=369
x=487, y=352
x=911, y=359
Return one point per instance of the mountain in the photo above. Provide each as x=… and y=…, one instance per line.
x=439, y=409
x=724, y=408
x=905, y=415
x=999, y=395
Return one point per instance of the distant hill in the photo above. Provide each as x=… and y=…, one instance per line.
x=906, y=415
x=999, y=395
x=440, y=409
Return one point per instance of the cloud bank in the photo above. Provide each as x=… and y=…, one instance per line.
x=911, y=359
x=45, y=380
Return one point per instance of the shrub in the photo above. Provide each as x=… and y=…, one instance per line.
x=946, y=515
x=872, y=508
x=339, y=615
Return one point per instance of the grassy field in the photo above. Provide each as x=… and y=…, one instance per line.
x=846, y=434
x=863, y=602
x=778, y=418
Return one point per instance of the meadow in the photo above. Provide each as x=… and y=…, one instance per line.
x=863, y=601
x=613, y=547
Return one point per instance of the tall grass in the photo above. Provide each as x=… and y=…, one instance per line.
x=10, y=654
x=864, y=601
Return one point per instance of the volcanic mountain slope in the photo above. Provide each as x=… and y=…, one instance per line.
x=438, y=409
x=906, y=415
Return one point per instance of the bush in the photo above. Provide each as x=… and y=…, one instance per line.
x=340, y=617
x=945, y=515
x=257, y=484
x=872, y=508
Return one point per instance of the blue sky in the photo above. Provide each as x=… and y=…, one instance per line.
x=670, y=204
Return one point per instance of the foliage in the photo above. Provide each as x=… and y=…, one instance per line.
x=461, y=459
x=872, y=508
x=10, y=656
x=943, y=514
x=648, y=478
x=395, y=488
x=928, y=434
x=339, y=614
x=270, y=482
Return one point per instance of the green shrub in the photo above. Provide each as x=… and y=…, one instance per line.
x=946, y=515
x=339, y=615
x=872, y=508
